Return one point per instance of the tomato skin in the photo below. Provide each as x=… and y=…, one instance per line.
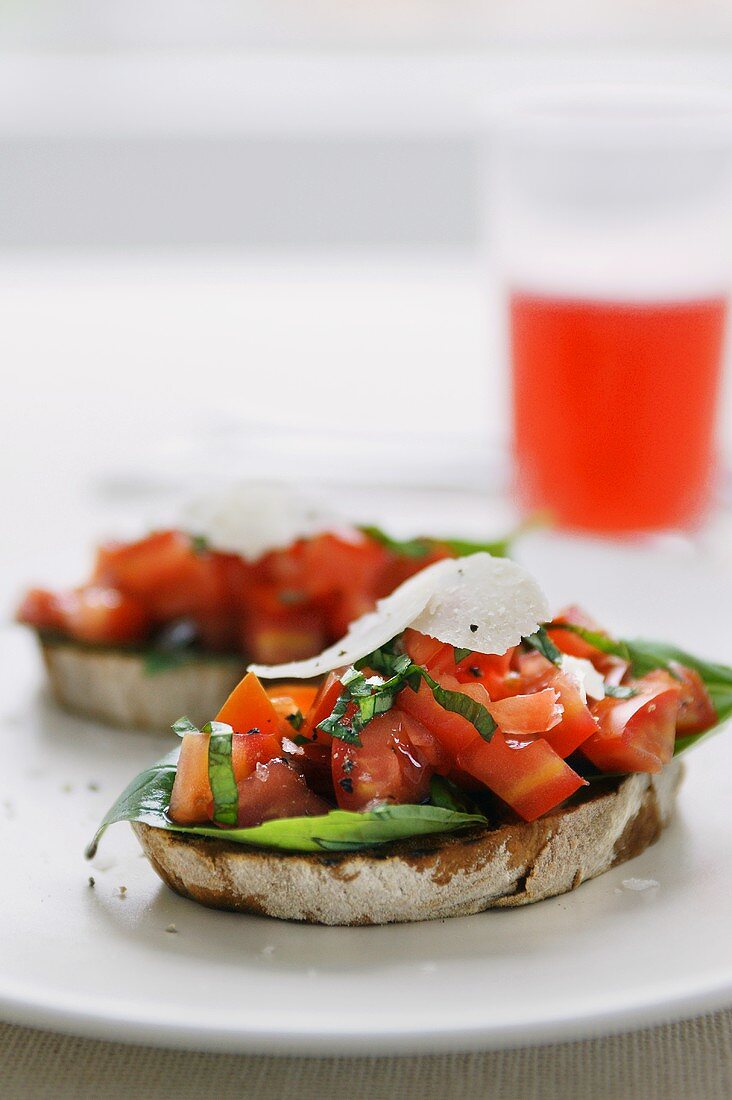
x=696, y=709
x=322, y=705
x=636, y=734
x=491, y=670
x=274, y=790
x=530, y=777
x=519, y=715
x=452, y=730
x=387, y=767
x=105, y=616
x=191, y=800
x=250, y=707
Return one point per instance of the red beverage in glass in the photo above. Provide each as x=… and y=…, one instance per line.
x=614, y=409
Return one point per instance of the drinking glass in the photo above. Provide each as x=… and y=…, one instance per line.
x=610, y=225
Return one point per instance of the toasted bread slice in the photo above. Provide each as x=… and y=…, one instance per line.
x=430, y=877
x=114, y=687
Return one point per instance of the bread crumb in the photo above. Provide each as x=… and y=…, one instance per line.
x=171, y=928
x=640, y=884
x=122, y=891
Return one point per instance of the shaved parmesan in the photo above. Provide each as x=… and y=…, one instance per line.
x=252, y=518
x=585, y=675
x=479, y=603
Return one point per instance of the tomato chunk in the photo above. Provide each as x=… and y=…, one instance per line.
x=103, y=616
x=274, y=790
x=288, y=699
x=636, y=734
x=452, y=730
x=250, y=707
x=387, y=767
x=191, y=799
x=530, y=777
x=696, y=709
x=518, y=715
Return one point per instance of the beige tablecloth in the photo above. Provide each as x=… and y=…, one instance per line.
x=691, y=1060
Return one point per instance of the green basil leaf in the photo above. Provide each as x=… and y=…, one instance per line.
x=459, y=703
x=461, y=654
x=183, y=725
x=421, y=547
x=221, y=773
x=296, y=720
x=147, y=799
x=541, y=642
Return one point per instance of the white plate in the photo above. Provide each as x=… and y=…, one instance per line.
x=88, y=960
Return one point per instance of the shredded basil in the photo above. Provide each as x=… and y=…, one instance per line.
x=541, y=642
x=461, y=654
x=369, y=698
x=296, y=720
x=221, y=773
x=183, y=725
x=421, y=547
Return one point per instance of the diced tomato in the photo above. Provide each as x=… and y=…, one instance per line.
x=288, y=699
x=452, y=730
x=273, y=641
x=429, y=748
x=143, y=567
x=323, y=703
x=636, y=734
x=696, y=709
x=103, y=616
x=276, y=790
x=519, y=715
x=386, y=768
x=491, y=670
x=41, y=609
x=332, y=563
x=250, y=707
x=578, y=723
x=191, y=799
x=530, y=777
x=437, y=657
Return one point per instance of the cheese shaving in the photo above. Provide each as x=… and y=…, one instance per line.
x=585, y=675
x=252, y=518
x=480, y=603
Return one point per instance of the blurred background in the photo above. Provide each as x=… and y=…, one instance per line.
x=250, y=239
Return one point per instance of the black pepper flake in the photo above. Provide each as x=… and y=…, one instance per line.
x=348, y=765
x=475, y=671
x=92, y=881
x=347, y=785
x=473, y=627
